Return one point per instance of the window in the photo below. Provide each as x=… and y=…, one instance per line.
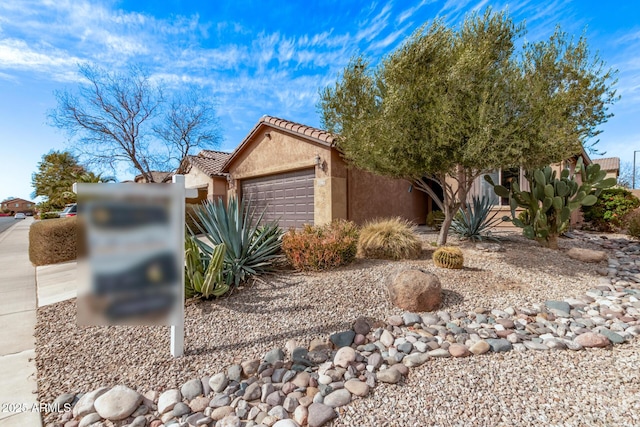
x=17, y=204
x=505, y=177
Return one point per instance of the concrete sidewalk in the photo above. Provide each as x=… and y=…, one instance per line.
x=18, y=303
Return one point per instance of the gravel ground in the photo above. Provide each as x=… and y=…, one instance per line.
x=598, y=387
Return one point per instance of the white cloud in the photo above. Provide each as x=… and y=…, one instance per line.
x=389, y=39
x=409, y=12
x=17, y=54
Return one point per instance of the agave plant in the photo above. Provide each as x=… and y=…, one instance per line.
x=251, y=247
x=476, y=221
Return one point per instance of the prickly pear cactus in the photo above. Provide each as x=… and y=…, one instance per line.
x=550, y=202
x=448, y=257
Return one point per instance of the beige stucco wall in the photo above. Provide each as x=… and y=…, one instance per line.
x=216, y=187
x=372, y=196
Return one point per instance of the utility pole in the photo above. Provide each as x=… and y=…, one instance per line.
x=633, y=178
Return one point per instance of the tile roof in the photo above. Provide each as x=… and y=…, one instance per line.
x=210, y=161
x=158, y=176
x=608, y=163
x=308, y=132
x=311, y=132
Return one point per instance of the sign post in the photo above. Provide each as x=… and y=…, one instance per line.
x=177, y=329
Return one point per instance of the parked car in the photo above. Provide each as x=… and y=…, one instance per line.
x=19, y=215
x=69, y=210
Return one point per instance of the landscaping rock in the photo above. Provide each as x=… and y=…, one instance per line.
x=342, y=339
x=191, y=389
x=218, y=382
x=480, y=347
x=390, y=376
x=274, y=355
x=587, y=255
x=84, y=405
x=361, y=326
x=320, y=414
x=416, y=291
x=118, y=403
x=357, y=387
x=592, y=339
x=344, y=357
x=499, y=345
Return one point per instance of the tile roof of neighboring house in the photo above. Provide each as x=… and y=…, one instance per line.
x=158, y=176
x=307, y=132
x=210, y=161
x=608, y=163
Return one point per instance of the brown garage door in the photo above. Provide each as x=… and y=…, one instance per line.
x=287, y=197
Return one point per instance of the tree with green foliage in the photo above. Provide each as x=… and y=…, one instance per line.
x=451, y=104
x=54, y=179
x=128, y=118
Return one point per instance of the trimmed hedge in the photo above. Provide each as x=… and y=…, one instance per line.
x=53, y=241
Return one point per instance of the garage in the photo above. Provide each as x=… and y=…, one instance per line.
x=287, y=197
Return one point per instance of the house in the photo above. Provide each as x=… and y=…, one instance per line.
x=611, y=165
x=204, y=172
x=15, y=205
x=298, y=175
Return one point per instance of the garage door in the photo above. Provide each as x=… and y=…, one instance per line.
x=287, y=197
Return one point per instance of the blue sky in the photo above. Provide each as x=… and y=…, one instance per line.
x=256, y=57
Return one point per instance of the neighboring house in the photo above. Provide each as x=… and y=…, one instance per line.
x=204, y=172
x=611, y=165
x=299, y=176
x=16, y=205
x=158, y=177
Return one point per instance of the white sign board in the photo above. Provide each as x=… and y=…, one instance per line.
x=132, y=271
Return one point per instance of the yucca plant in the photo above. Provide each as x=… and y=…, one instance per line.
x=202, y=277
x=475, y=222
x=251, y=247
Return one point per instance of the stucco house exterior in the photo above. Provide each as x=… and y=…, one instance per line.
x=204, y=172
x=298, y=175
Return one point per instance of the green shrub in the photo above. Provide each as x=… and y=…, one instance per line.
x=608, y=212
x=435, y=219
x=448, y=257
x=321, y=247
x=476, y=221
x=49, y=215
x=632, y=222
x=251, y=247
x=392, y=238
x=54, y=241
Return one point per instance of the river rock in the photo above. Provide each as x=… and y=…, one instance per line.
x=320, y=414
x=118, y=403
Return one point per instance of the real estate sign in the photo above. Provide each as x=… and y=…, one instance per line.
x=132, y=268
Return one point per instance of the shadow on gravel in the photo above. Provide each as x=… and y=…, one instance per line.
x=450, y=298
x=322, y=330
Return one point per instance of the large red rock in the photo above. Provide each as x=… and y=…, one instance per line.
x=416, y=291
